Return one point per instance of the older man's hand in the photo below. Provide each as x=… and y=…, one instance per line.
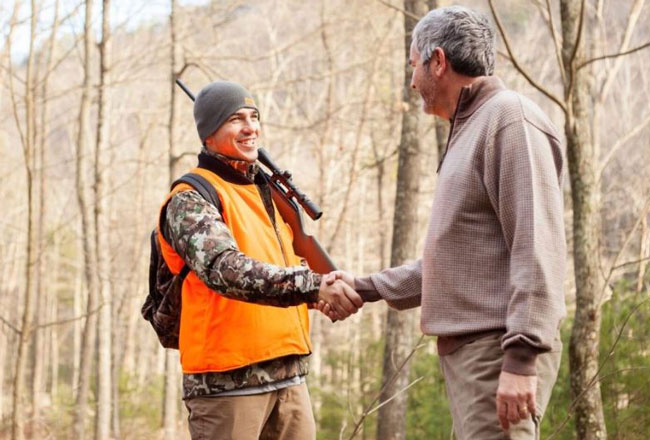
x=515, y=398
x=337, y=299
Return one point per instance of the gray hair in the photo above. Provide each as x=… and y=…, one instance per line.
x=466, y=36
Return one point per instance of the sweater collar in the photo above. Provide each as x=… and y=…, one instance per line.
x=474, y=96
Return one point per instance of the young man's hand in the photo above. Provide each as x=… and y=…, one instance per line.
x=337, y=299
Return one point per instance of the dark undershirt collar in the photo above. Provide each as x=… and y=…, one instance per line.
x=223, y=168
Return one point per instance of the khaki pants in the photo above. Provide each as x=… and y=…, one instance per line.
x=472, y=375
x=278, y=415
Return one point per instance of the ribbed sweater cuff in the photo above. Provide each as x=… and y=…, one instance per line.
x=366, y=289
x=520, y=359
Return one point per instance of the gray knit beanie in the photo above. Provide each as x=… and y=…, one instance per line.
x=216, y=102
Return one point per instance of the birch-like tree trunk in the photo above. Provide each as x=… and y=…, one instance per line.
x=170, y=395
x=44, y=294
x=391, y=423
x=102, y=231
x=87, y=230
x=77, y=332
x=52, y=340
x=644, y=253
x=28, y=139
x=582, y=160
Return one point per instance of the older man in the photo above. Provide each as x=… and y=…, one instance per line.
x=244, y=330
x=490, y=281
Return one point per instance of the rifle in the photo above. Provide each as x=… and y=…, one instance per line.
x=287, y=197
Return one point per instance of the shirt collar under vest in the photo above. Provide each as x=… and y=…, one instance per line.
x=228, y=173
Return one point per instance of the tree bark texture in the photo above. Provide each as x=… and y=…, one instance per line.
x=170, y=404
x=18, y=415
x=391, y=423
x=170, y=392
x=87, y=228
x=644, y=253
x=581, y=153
x=102, y=231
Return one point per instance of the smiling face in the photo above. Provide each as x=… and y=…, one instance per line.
x=237, y=137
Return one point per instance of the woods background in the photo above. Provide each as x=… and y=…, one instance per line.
x=92, y=130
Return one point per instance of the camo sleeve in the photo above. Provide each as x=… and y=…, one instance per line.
x=197, y=232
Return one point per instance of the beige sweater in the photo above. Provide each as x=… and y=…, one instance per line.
x=494, y=255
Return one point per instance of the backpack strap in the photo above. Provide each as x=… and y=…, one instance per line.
x=203, y=187
x=206, y=190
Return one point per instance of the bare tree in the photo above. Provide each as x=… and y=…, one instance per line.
x=102, y=231
x=399, y=325
x=170, y=395
x=45, y=295
x=87, y=231
x=585, y=336
x=28, y=143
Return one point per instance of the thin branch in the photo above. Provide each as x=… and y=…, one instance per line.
x=12, y=93
x=389, y=382
x=180, y=156
x=556, y=41
x=596, y=376
x=644, y=212
x=581, y=25
x=620, y=142
x=403, y=11
x=376, y=408
x=614, y=55
x=11, y=326
x=75, y=318
x=612, y=71
x=630, y=263
x=516, y=64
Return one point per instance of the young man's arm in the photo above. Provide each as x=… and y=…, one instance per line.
x=198, y=234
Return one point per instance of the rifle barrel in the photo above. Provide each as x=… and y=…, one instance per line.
x=185, y=89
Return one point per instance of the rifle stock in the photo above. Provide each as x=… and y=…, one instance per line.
x=305, y=245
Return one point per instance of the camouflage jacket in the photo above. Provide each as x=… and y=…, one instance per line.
x=198, y=234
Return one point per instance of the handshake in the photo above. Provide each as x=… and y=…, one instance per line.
x=337, y=298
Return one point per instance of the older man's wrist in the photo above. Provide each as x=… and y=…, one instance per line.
x=366, y=289
x=520, y=359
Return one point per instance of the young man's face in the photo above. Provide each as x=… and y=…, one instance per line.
x=423, y=80
x=237, y=137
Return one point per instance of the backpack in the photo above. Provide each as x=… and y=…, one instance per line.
x=162, y=307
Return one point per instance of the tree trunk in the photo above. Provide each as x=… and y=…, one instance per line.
x=3, y=362
x=88, y=242
x=399, y=325
x=135, y=283
x=644, y=252
x=170, y=405
x=170, y=395
x=53, y=332
x=77, y=335
x=585, y=336
x=102, y=230
x=18, y=422
x=42, y=337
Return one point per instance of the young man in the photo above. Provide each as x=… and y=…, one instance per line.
x=490, y=281
x=244, y=332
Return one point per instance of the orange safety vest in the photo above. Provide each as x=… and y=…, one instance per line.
x=221, y=334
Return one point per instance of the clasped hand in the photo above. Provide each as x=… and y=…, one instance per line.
x=337, y=298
